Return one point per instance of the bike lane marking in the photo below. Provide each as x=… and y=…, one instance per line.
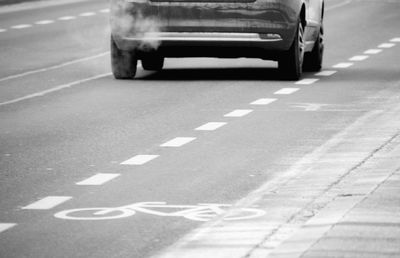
x=178, y=142
x=98, y=179
x=6, y=226
x=211, y=126
x=47, y=203
x=139, y=160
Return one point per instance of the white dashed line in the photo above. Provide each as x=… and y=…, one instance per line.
x=395, y=40
x=98, y=179
x=358, y=58
x=307, y=81
x=47, y=203
x=87, y=14
x=262, y=102
x=105, y=11
x=178, y=142
x=210, y=126
x=67, y=18
x=239, y=113
x=6, y=226
x=21, y=26
x=139, y=159
x=3, y=30
x=286, y=91
x=44, y=22
x=343, y=65
x=387, y=45
x=373, y=51
x=326, y=73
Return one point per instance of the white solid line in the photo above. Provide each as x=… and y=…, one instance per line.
x=21, y=26
x=395, y=40
x=210, y=126
x=373, y=51
x=239, y=113
x=326, y=73
x=178, y=142
x=387, y=45
x=5, y=226
x=16, y=76
x=98, y=179
x=139, y=159
x=87, y=14
x=67, y=18
x=47, y=203
x=58, y=88
x=343, y=65
x=358, y=58
x=307, y=81
x=44, y=22
x=105, y=11
x=261, y=102
x=286, y=91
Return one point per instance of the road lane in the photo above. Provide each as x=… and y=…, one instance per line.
x=51, y=142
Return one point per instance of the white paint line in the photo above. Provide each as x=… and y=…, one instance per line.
x=67, y=18
x=6, y=226
x=358, y=58
x=47, y=203
x=395, y=40
x=326, y=73
x=386, y=45
x=87, y=14
x=57, y=88
x=307, y=81
x=373, y=51
x=98, y=179
x=261, y=102
x=178, y=142
x=105, y=11
x=210, y=126
x=343, y=65
x=338, y=5
x=44, y=22
x=139, y=159
x=21, y=26
x=286, y=91
x=239, y=113
x=16, y=76
x=3, y=30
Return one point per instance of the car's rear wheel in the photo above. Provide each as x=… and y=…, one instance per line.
x=291, y=62
x=123, y=63
x=313, y=60
x=152, y=62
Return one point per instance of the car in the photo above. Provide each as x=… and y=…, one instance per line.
x=290, y=32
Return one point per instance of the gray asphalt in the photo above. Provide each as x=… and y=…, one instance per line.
x=52, y=140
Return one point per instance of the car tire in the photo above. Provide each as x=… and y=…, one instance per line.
x=290, y=63
x=152, y=62
x=123, y=63
x=313, y=60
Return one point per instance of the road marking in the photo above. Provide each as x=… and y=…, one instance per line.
x=395, y=40
x=98, y=179
x=286, y=91
x=44, y=22
x=87, y=14
x=3, y=30
x=21, y=26
x=139, y=159
x=307, y=81
x=57, y=88
x=338, y=5
x=16, y=76
x=358, y=58
x=262, y=102
x=6, y=226
x=47, y=203
x=387, y=45
x=239, y=113
x=105, y=11
x=210, y=126
x=178, y=142
x=343, y=65
x=326, y=73
x=373, y=51
x=67, y=18
x=309, y=106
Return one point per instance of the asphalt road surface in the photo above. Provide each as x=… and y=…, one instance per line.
x=170, y=150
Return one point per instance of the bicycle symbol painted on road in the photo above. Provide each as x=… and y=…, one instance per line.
x=200, y=212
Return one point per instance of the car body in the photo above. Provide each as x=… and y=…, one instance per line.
x=287, y=31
